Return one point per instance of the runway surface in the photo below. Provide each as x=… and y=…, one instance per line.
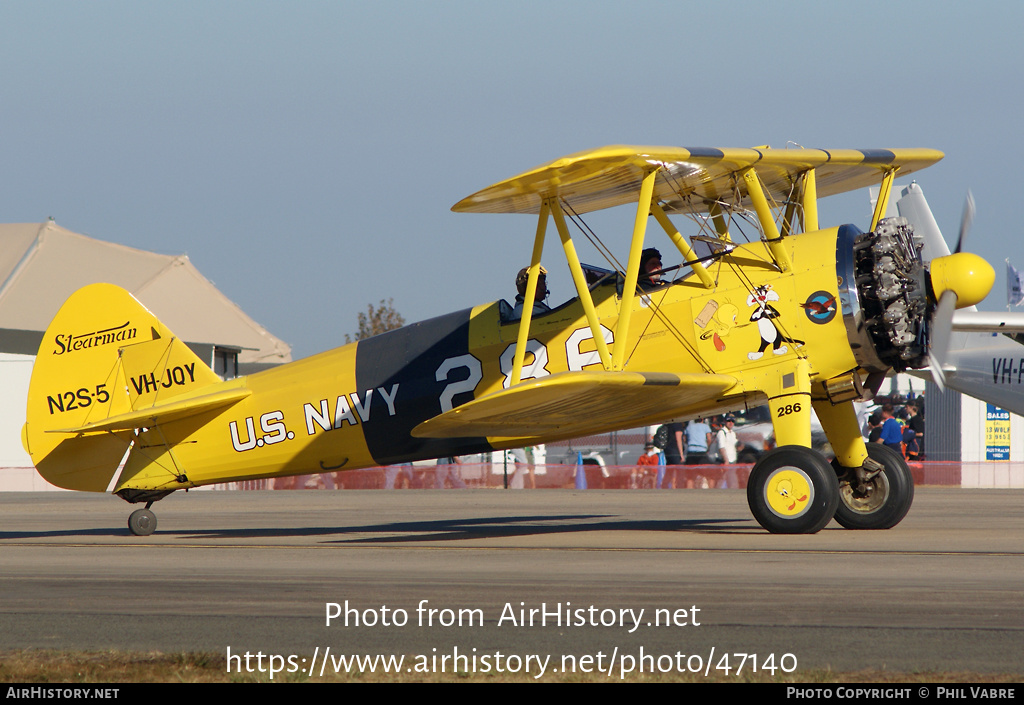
x=255, y=571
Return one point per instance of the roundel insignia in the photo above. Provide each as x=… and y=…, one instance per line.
x=820, y=307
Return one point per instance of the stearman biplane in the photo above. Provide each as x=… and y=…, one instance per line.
x=765, y=307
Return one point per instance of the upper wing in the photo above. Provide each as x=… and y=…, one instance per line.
x=611, y=176
x=569, y=403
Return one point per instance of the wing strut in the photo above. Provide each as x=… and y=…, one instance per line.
x=531, y=294
x=683, y=247
x=883, y=197
x=789, y=224
x=810, y=198
x=643, y=212
x=764, y=216
x=582, y=290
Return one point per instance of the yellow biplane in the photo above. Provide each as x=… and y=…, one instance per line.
x=765, y=307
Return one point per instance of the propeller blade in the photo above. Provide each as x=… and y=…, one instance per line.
x=965, y=220
x=941, y=330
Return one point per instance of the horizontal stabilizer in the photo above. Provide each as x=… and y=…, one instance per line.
x=161, y=413
x=570, y=402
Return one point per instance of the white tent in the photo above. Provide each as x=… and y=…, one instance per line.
x=41, y=265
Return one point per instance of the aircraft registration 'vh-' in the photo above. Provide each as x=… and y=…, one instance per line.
x=765, y=308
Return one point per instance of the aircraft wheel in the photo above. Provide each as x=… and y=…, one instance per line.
x=793, y=490
x=142, y=522
x=885, y=499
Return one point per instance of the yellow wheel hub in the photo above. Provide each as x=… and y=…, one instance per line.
x=789, y=492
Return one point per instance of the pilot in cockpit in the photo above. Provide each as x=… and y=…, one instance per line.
x=539, y=306
x=650, y=269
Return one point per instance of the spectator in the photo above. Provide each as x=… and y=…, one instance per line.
x=525, y=464
x=892, y=430
x=675, y=451
x=916, y=423
x=650, y=458
x=874, y=426
x=448, y=469
x=698, y=440
x=728, y=448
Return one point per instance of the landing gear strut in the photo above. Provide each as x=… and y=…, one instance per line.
x=142, y=522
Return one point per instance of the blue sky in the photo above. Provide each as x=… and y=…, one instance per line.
x=305, y=155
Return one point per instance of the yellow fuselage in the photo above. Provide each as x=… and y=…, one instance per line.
x=355, y=406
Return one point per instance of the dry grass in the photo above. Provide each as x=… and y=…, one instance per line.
x=33, y=666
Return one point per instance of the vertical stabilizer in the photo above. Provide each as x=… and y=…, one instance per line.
x=914, y=207
x=104, y=355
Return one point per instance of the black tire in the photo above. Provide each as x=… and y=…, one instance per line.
x=793, y=490
x=142, y=522
x=889, y=496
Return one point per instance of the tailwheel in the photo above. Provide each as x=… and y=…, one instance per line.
x=793, y=490
x=877, y=496
x=142, y=522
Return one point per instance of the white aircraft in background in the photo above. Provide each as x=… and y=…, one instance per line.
x=982, y=360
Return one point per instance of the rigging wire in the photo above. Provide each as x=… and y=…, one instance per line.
x=701, y=220
x=589, y=233
x=591, y=236
x=735, y=217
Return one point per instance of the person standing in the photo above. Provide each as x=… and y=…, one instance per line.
x=525, y=465
x=698, y=440
x=728, y=443
x=448, y=469
x=916, y=424
x=675, y=451
x=728, y=448
x=393, y=475
x=874, y=427
x=892, y=430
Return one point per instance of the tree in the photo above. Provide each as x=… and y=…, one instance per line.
x=377, y=320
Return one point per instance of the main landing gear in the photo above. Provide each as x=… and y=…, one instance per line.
x=878, y=495
x=794, y=490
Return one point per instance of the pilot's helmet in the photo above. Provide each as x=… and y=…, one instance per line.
x=649, y=253
x=524, y=276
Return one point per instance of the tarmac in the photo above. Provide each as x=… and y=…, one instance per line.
x=604, y=575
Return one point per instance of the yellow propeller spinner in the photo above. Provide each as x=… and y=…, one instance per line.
x=965, y=274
